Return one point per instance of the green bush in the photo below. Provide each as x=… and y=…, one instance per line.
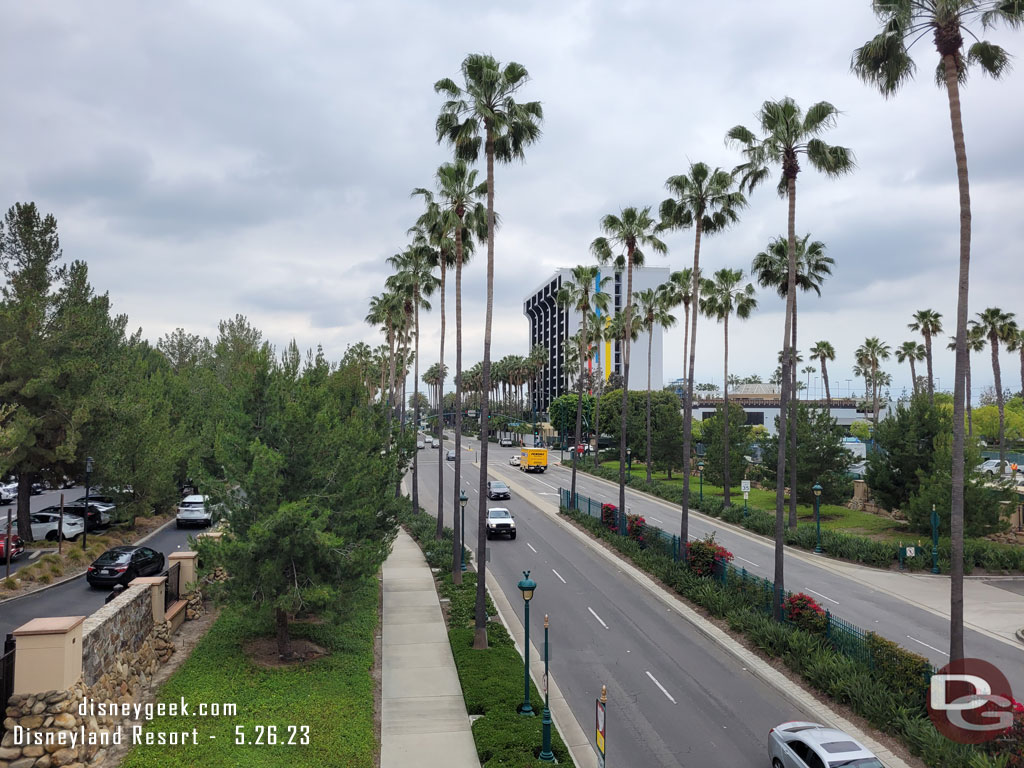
x=907, y=674
x=804, y=611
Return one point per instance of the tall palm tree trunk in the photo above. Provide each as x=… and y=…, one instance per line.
x=597, y=427
x=913, y=375
x=970, y=426
x=824, y=378
x=684, y=526
x=780, y=467
x=627, y=336
x=457, y=510
x=480, y=617
x=956, y=599
x=579, y=406
x=792, y=429
x=928, y=362
x=391, y=378
x=440, y=409
x=999, y=399
x=726, y=500
x=686, y=336
x=650, y=345
x=874, y=391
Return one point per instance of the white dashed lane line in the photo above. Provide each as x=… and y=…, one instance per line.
x=562, y=580
x=662, y=687
x=599, y=619
x=824, y=596
x=531, y=547
x=927, y=646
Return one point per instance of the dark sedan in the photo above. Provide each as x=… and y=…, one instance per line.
x=498, y=490
x=119, y=565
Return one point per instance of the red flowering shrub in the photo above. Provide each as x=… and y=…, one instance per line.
x=1010, y=743
x=635, y=528
x=805, y=612
x=608, y=516
x=702, y=553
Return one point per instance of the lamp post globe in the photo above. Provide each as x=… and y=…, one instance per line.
x=526, y=586
x=462, y=524
x=817, y=515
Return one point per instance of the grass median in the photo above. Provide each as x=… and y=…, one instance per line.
x=333, y=696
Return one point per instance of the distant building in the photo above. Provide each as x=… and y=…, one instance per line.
x=761, y=403
x=551, y=325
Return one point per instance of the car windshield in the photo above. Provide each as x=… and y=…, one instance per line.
x=859, y=762
x=498, y=487
x=191, y=505
x=503, y=513
x=112, y=557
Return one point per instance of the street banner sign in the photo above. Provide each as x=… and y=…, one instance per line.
x=600, y=728
x=745, y=486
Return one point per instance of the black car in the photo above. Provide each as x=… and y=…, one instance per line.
x=99, y=515
x=498, y=490
x=119, y=565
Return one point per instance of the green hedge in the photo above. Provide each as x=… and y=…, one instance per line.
x=886, y=685
x=978, y=553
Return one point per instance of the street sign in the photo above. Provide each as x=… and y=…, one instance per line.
x=600, y=727
x=911, y=551
x=544, y=684
x=745, y=486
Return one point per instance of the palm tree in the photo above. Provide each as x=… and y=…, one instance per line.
x=652, y=311
x=824, y=352
x=679, y=290
x=874, y=350
x=929, y=323
x=1016, y=344
x=884, y=61
x=975, y=343
x=536, y=360
x=910, y=352
x=629, y=233
x=414, y=276
x=484, y=111
x=724, y=295
x=599, y=333
x=771, y=267
x=808, y=369
x=998, y=326
x=708, y=201
x=387, y=311
x=582, y=293
x=788, y=133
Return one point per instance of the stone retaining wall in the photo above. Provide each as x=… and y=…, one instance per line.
x=120, y=626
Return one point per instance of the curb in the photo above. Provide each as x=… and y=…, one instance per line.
x=755, y=664
x=145, y=538
x=1020, y=634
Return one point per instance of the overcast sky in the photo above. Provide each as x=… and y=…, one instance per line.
x=252, y=157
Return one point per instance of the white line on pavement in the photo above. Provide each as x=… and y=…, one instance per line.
x=597, y=617
x=549, y=485
x=825, y=596
x=35, y=554
x=531, y=547
x=564, y=581
x=748, y=561
x=927, y=646
x=662, y=687
x=656, y=519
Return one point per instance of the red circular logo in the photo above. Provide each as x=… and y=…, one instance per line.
x=969, y=701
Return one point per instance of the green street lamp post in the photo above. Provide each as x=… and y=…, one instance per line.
x=817, y=516
x=935, y=540
x=629, y=462
x=526, y=586
x=462, y=518
x=85, y=519
x=546, y=755
x=700, y=471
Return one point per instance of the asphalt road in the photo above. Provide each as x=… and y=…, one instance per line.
x=77, y=598
x=911, y=626
x=675, y=699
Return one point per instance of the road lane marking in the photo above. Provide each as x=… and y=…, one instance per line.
x=565, y=582
x=35, y=554
x=927, y=646
x=662, y=687
x=549, y=485
x=597, y=617
x=531, y=547
x=752, y=563
x=821, y=595
x=656, y=519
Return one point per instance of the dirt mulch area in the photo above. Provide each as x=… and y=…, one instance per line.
x=263, y=652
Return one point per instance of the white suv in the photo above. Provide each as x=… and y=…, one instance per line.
x=194, y=510
x=500, y=522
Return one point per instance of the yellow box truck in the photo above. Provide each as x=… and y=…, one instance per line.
x=533, y=460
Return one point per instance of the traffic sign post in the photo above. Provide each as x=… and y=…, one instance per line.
x=599, y=718
x=745, y=487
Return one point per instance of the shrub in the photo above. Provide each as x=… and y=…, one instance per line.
x=907, y=675
x=609, y=516
x=702, y=553
x=635, y=528
x=10, y=583
x=803, y=611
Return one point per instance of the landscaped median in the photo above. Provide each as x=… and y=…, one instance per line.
x=313, y=714
x=875, y=678
x=978, y=553
x=492, y=680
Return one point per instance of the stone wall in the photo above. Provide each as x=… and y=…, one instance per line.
x=120, y=626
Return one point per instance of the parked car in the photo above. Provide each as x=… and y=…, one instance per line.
x=505, y=442
x=194, y=510
x=420, y=444
x=582, y=448
x=8, y=493
x=449, y=456
x=17, y=547
x=99, y=513
x=991, y=468
x=813, y=745
x=46, y=524
x=500, y=523
x=498, y=490
x=119, y=565
x=514, y=461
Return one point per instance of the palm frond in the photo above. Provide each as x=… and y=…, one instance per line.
x=993, y=60
x=830, y=160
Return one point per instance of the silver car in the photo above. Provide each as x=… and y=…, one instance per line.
x=813, y=745
x=194, y=510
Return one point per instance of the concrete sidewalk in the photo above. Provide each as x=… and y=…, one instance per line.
x=423, y=720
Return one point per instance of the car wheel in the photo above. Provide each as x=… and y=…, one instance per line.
x=512, y=535
x=776, y=763
x=51, y=536
x=488, y=535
